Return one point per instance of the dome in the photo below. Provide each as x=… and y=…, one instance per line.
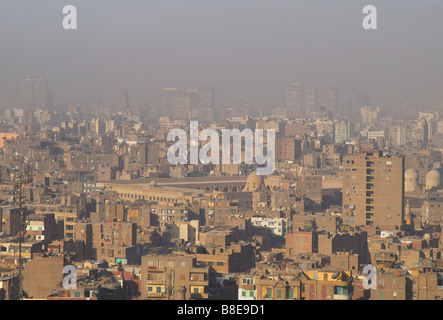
x=411, y=180
x=254, y=181
x=433, y=179
x=411, y=174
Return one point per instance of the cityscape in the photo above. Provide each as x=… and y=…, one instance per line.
x=93, y=208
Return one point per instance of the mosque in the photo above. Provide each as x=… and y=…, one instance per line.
x=433, y=180
x=424, y=201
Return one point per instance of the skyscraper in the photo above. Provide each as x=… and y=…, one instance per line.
x=188, y=102
x=35, y=93
x=373, y=189
x=294, y=100
x=311, y=100
x=205, y=106
x=123, y=101
x=206, y=97
x=330, y=99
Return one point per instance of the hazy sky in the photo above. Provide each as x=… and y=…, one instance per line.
x=252, y=48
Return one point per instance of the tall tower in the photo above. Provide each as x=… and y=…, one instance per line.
x=311, y=101
x=123, y=101
x=331, y=100
x=294, y=100
x=373, y=189
x=35, y=93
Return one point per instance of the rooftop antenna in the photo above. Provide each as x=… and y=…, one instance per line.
x=20, y=180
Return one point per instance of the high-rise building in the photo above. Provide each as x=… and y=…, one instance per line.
x=35, y=93
x=188, y=102
x=330, y=99
x=294, y=100
x=123, y=101
x=177, y=103
x=311, y=100
x=397, y=135
x=359, y=100
x=206, y=97
x=373, y=190
x=342, y=131
x=369, y=114
x=206, y=102
x=422, y=130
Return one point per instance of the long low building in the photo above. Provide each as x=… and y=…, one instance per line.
x=223, y=184
x=172, y=190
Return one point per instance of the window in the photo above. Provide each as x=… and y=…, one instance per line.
x=341, y=290
x=291, y=294
x=278, y=294
x=159, y=289
x=243, y=293
x=149, y=289
x=268, y=292
x=381, y=294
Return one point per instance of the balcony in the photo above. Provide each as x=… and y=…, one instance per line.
x=155, y=281
x=247, y=286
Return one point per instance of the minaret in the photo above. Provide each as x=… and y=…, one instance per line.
x=407, y=219
x=407, y=211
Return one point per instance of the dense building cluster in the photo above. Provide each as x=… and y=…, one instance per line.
x=348, y=190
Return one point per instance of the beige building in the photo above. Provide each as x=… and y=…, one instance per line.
x=373, y=190
x=173, y=278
